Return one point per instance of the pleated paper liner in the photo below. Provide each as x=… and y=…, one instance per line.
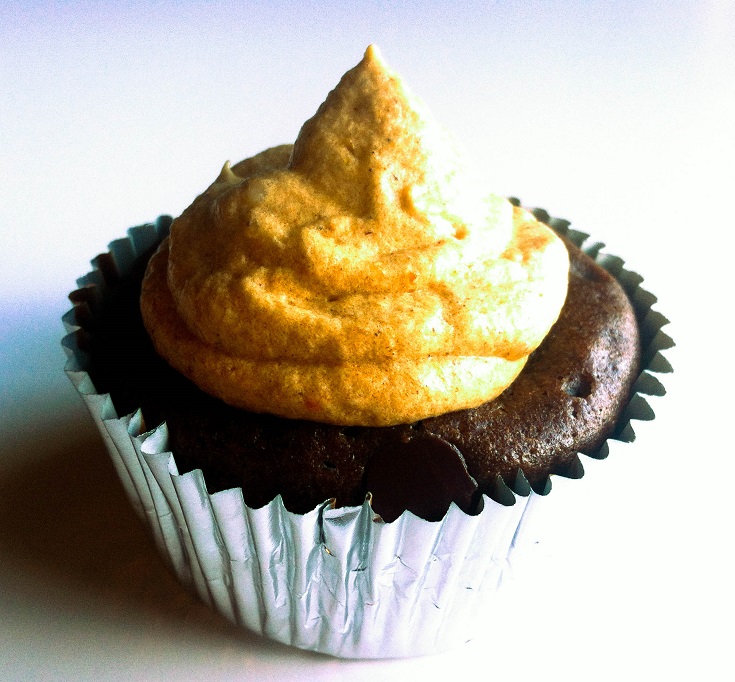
x=336, y=581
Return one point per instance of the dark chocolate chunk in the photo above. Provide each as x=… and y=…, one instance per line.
x=420, y=472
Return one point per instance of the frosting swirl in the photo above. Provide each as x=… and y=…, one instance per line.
x=359, y=277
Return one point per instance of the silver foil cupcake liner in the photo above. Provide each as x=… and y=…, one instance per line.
x=338, y=581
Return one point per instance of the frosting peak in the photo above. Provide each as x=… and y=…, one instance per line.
x=358, y=277
x=374, y=149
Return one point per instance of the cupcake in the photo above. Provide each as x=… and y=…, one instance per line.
x=335, y=386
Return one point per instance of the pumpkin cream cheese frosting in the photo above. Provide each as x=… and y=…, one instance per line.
x=361, y=276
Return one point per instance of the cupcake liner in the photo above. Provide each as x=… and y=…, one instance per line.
x=338, y=581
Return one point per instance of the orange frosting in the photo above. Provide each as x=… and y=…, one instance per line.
x=360, y=277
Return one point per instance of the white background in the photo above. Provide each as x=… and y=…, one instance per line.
x=615, y=115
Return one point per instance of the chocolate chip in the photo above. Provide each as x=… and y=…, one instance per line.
x=420, y=472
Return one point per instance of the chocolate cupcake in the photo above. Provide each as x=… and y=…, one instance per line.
x=255, y=566
x=360, y=373
x=567, y=400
